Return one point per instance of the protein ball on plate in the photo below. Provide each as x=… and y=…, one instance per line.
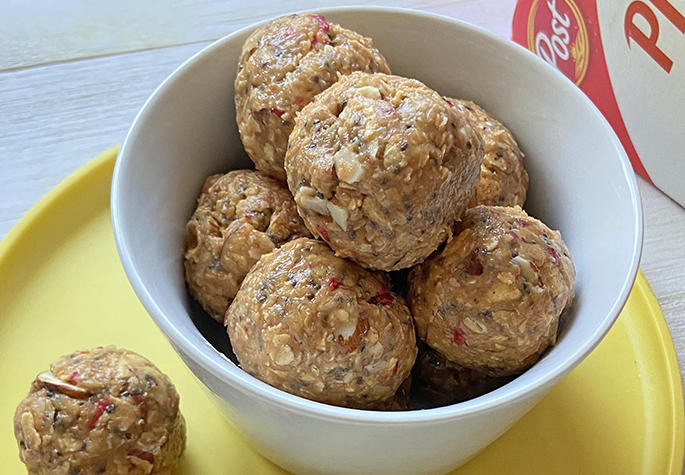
x=503, y=180
x=101, y=411
x=284, y=64
x=439, y=382
x=490, y=300
x=321, y=327
x=239, y=217
x=381, y=167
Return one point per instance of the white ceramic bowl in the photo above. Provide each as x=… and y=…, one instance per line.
x=580, y=182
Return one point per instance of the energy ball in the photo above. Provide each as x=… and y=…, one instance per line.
x=490, y=300
x=439, y=382
x=101, y=411
x=239, y=217
x=284, y=64
x=503, y=180
x=321, y=327
x=381, y=167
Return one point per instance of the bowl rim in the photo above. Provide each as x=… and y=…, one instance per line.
x=239, y=380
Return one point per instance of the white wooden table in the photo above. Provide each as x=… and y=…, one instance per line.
x=74, y=74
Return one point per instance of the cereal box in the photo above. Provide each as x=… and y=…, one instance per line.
x=628, y=56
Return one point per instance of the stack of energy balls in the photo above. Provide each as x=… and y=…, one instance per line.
x=361, y=173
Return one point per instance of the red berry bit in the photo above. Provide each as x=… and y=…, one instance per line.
x=299, y=100
x=448, y=101
x=324, y=26
x=521, y=223
x=333, y=283
x=397, y=365
x=475, y=267
x=277, y=111
x=384, y=297
x=514, y=236
x=74, y=377
x=321, y=37
x=459, y=337
x=555, y=255
x=322, y=232
x=100, y=408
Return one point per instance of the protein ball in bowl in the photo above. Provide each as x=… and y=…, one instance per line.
x=284, y=64
x=100, y=411
x=240, y=216
x=439, y=382
x=503, y=180
x=381, y=167
x=321, y=327
x=491, y=299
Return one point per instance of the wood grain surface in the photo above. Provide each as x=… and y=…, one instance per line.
x=74, y=74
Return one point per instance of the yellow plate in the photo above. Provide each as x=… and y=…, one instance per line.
x=62, y=288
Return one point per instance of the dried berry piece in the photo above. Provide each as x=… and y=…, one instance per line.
x=384, y=297
x=100, y=408
x=74, y=377
x=333, y=283
x=322, y=232
x=459, y=336
x=553, y=252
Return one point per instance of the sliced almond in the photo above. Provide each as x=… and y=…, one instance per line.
x=31, y=435
x=370, y=92
x=284, y=356
x=475, y=326
x=339, y=215
x=53, y=383
x=372, y=149
x=527, y=270
x=375, y=367
x=491, y=244
x=306, y=198
x=345, y=330
x=353, y=341
x=347, y=166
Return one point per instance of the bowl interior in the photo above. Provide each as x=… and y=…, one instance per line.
x=580, y=179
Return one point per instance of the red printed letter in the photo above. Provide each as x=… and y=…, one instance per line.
x=646, y=43
x=673, y=15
